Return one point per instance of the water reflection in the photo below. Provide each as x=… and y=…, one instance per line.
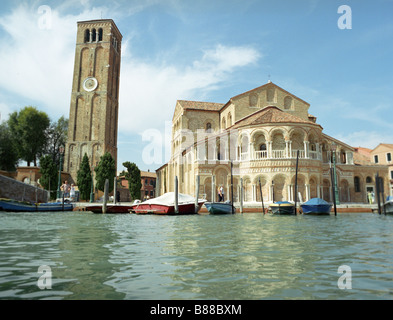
x=249, y=256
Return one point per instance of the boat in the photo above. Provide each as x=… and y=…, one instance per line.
x=220, y=207
x=165, y=204
x=388, y=205
x=110, y=208
x=282, y=207
x=24, y=206
x=316, y=206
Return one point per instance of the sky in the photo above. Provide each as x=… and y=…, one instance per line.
x=338, y=59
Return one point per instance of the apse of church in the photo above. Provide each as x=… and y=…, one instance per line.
x=260, y=131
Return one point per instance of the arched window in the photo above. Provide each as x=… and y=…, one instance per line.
x=223, y=125
x=94, y=36
x=357, y=184
x=229, y=119
x=208, y=127
x=262, y=147
x=87, y=35
x=270, y=95
x=287, y=103
x=369, y=180
x=100, y=34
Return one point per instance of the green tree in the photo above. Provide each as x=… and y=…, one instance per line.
x=29, y=128
x=8, y=152
x=56, y=137
x=106, y=169
x=49, y=174
x=84, y=178
x=133, y=175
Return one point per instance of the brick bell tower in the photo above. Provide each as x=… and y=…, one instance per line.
x=95, y=95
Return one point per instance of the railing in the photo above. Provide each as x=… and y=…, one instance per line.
x=259, y=155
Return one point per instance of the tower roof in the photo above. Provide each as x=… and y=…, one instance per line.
x=98, y=21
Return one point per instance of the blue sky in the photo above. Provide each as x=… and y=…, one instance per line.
x=209, y=51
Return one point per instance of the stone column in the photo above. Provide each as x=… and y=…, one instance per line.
x=269, y=146
x=306, y=143
x=287, y=154
x=307, y=192
x=289, y=192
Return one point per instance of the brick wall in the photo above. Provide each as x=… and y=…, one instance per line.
x=13, y=189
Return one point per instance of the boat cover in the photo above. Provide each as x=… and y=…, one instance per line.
x=168, y=199
x=316, y=201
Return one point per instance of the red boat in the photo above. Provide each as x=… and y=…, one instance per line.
x=110, y=208
x=165, y=204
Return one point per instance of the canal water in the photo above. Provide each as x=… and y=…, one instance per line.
x=244, y=256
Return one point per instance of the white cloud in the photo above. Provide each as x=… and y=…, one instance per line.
x=37, y=64
x=365, y=139
x=149, y=92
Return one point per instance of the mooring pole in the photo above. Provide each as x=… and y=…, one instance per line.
x=197, y=182
x=333, y=191
x=260, y=191
x=241, y=195
x=377, y=192
x=297, y=165
x=176, y=195
x=382, y=195
x=106, y=188
x=114, y=190
x=232, y=188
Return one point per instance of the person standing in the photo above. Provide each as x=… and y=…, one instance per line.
x=370, y=197
x=66, y=189
x=222, y=193
x=72, y=192
x=219, y=194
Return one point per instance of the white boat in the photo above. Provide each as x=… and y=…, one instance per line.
x=165, y=204
x=388, y=205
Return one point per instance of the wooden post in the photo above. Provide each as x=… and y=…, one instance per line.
x=176, y=195
x=241, y=195
x=377, y=192
x=213, y=188
x=105, y=196
x=297, y=165
x=381, y=187
x=333, y=191
x=260, y=190
x=197, y=181
x=233, y=208
x=114, y=190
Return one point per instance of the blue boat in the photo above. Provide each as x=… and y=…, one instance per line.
x=316, y=206
x=23, y=206
x=220, y=207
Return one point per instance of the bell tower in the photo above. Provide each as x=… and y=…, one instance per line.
x=95, y=94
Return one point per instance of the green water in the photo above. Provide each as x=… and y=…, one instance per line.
x=246, y=257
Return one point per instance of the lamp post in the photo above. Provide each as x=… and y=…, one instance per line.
x=334, y=148
x=61, y=151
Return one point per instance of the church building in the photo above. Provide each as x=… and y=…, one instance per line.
x=261, y=132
